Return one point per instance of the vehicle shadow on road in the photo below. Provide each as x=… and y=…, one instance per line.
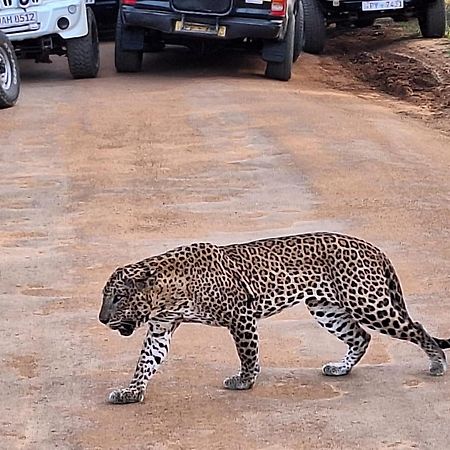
x=173, y=62
x=182, y=62
x=32, y=73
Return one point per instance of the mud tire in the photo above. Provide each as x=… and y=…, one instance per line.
x=9, y=76
x=299, y=37
x=83, y=53
x=282, y=70
x=432, y=20
x=314, y=28
x=125, y=61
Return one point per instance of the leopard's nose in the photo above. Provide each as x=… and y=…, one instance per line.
x=103, y=316
x=103, y=320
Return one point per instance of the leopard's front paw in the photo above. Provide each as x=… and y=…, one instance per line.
x=335, y=369
x=126, y=395
x=438, y=367
x=238, y=383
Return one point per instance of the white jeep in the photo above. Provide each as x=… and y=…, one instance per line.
x=41, y=28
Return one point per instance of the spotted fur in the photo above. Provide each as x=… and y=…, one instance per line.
x=346, y=283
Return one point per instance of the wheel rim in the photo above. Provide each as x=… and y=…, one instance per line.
x=6, y=70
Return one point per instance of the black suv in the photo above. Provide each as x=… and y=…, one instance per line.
x=362, y=13
x=274, y=27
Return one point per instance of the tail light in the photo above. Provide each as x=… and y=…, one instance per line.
x=278, y=8
x=129, y=2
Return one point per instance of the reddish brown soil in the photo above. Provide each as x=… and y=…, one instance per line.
x=396, y=60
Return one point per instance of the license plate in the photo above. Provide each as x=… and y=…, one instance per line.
x=381, y=5
x=189, y=27
x=14, y=20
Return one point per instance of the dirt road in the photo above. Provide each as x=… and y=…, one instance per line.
x=98, y=173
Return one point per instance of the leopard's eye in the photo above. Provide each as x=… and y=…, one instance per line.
x=117, y=299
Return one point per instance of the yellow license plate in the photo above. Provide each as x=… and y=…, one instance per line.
x=189, y=27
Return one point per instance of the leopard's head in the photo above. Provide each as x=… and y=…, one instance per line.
x=135, y=294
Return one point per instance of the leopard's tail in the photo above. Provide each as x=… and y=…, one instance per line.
x=443, y=343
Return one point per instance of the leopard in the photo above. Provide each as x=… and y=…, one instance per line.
x=348, y=285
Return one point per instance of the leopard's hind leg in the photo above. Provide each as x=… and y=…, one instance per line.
x=399, y=325
x=339, y=322
x=386, y=312
x=380, y=306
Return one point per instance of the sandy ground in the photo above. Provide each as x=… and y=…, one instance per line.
x=98, y=173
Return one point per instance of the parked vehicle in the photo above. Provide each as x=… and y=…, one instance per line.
x=9, y=73
x=274, y=27
x=320, y=13
x=105, y=12
x=41, y=28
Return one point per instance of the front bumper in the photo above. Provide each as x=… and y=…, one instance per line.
x=236, y=27
x=47, y=16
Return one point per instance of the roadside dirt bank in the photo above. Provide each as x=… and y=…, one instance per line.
x=392, y=58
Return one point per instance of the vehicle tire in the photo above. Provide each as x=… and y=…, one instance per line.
x=282, y=70
x=125, y=61
x=314, y=28
x=299, y=36
x=9, y=73
x=432, y=19
x=83, y=53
